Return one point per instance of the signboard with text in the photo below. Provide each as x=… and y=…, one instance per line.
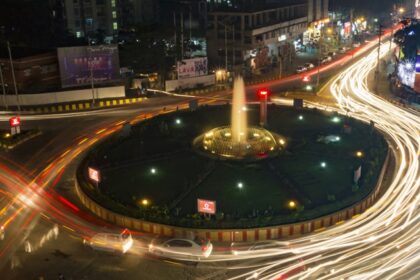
x=14, y=121
x=78, y=65
x=94, y=175
x=206, y=206
x=193, y=67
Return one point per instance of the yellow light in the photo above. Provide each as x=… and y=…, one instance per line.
x=7, y=135
x=358, y=21
x=329, y=30
x=327, y=20
x=282, y=142
x=292, y=204
x=145, y=202
x=359, y=153
x=401, y=10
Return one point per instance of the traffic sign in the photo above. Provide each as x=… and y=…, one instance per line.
x=94, y=175
x=14, y=121
x=206, y=206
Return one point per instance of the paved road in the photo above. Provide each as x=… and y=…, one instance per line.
x=341, y=251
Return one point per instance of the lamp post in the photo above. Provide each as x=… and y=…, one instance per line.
x=91, y=74
x=3, y=87
x=13, y=76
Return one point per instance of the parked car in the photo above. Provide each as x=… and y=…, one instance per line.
x=111, y=242
x=182, y=248
x=356, y=45
x=241, y=249
x=342, y=49
x=331, y=54
x=301, y=69
x=308, y=66
x=326, y=59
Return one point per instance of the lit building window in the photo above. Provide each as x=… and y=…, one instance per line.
x=113, y=3
x=114, y=14
x=78, y=34
x=115, y=26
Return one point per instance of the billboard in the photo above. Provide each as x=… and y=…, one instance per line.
x=94, y=175
x=193, y=67
x=206, y=206
x=76, y=64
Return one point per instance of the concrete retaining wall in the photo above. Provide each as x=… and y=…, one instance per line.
x=63, y=96
x=238, y=235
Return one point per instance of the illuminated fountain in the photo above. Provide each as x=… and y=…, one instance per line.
x=238, y=141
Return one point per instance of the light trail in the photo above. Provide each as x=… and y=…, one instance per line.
x=384, y=241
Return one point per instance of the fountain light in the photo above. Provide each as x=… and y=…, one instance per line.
x=153, y=170
x=240, y=185
x=323, y=164
x=300, y=118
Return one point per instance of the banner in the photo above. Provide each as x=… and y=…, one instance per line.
x=193, y=67
x=357, y=174
x=78, y=65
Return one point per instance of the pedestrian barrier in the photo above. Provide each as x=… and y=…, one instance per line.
x=238, y=235
x=81, y=106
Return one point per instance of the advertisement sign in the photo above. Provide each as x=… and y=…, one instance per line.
x=193, y=67
x=206, y=206
x=79, y=65
x=94, y=175
x=14, y=121
x=417, y=75
x=357, y=174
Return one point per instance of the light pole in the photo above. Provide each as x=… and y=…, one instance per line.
x=91, y=74
x=13, y=75
x=3, y=87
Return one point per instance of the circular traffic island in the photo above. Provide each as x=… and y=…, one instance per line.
x=304, y=164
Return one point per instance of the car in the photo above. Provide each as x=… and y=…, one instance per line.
x=331, y=54
x=326, y=59
x=111, y=242
x=181, y=248
x=301, y=69
x=342, y=49
x=242, y=249
x=308, y=65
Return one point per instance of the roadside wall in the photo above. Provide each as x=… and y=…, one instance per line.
x=63, y=96
x=239, y=235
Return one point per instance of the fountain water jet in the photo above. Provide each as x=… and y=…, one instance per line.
x=238, y=141
x=239, y=124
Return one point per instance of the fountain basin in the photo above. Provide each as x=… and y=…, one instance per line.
x=257, y=144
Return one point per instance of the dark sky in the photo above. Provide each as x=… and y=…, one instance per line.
x=373, y=6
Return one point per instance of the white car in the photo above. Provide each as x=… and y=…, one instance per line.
x=111, y=242
x=326, y=59
x=241, y=249
x=301, y=69
x=308, y=65
x=182, y=248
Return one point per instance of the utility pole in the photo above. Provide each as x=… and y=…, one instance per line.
x=13, y=76
x=319, y=59
x=182, y=35
x=91, y=74
x=3, y=87
x=280, y=65
x=233, y=47
x=379, y=50
x=351, y=27
x=226, y=51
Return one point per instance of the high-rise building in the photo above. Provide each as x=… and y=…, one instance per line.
x=88, y=17
x=254, y=33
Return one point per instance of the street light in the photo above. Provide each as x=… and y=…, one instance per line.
x=401, y=10
x=292, y=204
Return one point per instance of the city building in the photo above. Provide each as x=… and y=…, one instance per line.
x=35, y=71
x=254, y=33
x=89, y=17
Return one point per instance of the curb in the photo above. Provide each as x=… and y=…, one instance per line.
x=81, y=106
x=239, y=235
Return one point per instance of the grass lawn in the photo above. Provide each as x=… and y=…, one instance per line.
x=296, y=174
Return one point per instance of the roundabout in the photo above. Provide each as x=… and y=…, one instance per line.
x=299, y=167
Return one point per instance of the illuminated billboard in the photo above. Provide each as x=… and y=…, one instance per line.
x=78, y=65
x=193, y=67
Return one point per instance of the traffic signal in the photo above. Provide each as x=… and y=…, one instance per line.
x=306, y=79
x=263, y=93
